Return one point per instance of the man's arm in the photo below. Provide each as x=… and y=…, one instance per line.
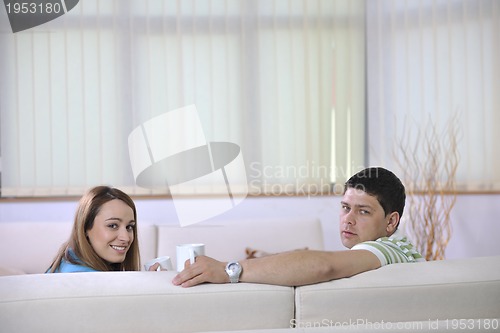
x=295, y=268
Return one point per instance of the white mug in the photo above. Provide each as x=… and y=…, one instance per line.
x=188, y=251
x=165, y=263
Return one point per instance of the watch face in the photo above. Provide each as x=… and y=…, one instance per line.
x=234, y=267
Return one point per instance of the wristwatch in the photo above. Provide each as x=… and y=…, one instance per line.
x=233, y=269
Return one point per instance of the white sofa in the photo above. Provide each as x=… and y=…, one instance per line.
x=432, y=296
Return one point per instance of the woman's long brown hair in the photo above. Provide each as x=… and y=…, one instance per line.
x=87, y=210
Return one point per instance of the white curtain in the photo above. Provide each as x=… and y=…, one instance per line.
x=282, y=79
x=435, y=64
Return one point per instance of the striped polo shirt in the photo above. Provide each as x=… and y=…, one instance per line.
x=391, y=250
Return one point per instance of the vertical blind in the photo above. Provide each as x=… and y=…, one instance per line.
x=284, y=79
x=431, y=65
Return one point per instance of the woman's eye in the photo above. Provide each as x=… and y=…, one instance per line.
x=364, y=212
x=130, y=227
x=112, y=226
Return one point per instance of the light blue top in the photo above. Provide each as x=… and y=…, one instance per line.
x=68, y=267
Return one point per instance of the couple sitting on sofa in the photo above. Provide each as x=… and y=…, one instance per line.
x=104, y=238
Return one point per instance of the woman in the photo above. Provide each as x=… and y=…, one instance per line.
x=104, y=235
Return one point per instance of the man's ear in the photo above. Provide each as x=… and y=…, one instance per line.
x=392, y=222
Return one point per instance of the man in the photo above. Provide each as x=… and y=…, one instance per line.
x=371, y=209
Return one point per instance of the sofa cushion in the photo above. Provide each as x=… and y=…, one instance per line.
x=228, y=240
x=30, y=247
x=137, y=302
x=148, y=237
x=465, y=288
x=10, y=271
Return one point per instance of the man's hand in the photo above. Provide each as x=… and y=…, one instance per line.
x=205, y=269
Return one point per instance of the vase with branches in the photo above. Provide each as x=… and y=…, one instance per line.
x=429, y=162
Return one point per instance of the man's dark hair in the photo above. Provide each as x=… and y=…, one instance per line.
x=383, y=185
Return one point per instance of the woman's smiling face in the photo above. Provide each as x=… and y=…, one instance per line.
x=113, y=231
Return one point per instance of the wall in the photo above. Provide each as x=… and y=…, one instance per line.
x=476, y=218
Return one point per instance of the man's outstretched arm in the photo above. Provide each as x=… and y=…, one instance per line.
x=295, y=268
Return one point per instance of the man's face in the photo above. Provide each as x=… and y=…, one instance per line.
x=362, y=218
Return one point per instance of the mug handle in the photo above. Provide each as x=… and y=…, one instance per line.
x=192, y=255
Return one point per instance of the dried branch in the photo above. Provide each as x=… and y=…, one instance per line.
x=429, y=165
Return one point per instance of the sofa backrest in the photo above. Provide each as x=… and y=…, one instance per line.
x=137, y=302
x=228, y=240
x=457, y=292
x=423, y=292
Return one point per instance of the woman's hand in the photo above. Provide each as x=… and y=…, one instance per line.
x=155, y=267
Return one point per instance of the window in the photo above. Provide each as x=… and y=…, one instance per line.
x=436, y=63
x=282, y=79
